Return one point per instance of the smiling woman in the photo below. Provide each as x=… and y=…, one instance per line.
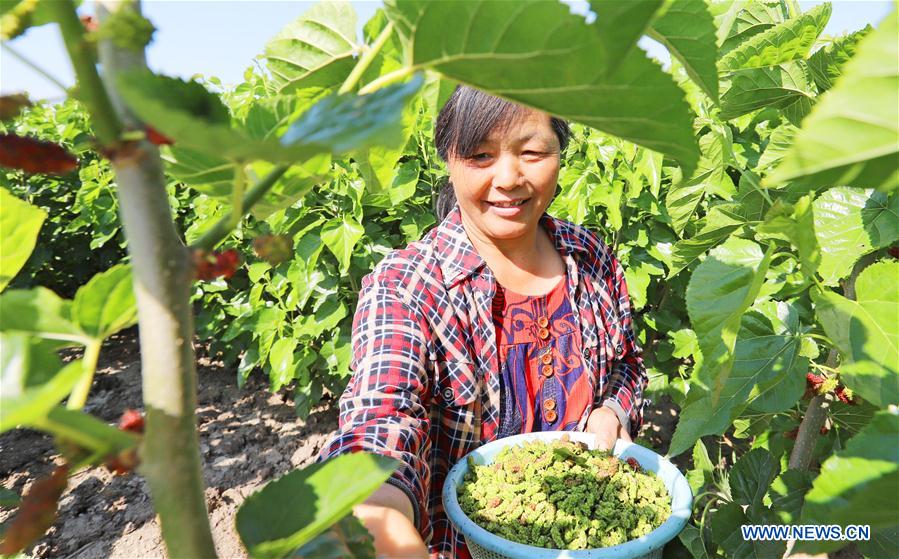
x=502, y=320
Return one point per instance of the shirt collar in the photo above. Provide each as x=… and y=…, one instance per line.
x=459, y=259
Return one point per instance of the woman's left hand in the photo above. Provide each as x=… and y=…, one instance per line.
x=603, y=422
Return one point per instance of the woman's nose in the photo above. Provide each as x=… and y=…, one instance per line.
x=507, y=173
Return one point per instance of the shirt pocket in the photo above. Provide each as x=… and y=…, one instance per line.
x=456, y=383
x=456, y=395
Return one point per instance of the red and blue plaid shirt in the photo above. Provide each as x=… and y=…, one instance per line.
x=425, y=388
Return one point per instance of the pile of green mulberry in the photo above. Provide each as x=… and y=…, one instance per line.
x=561, y=495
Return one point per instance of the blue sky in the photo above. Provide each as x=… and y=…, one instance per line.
x=222, y=37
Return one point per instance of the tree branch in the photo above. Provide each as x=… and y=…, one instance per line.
x=90, y=87
x=163, y=275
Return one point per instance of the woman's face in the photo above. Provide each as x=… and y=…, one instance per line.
x=520, y=166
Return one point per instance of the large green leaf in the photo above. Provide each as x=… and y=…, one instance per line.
x=687, y=30
x=106, y=303
x=196, y=119
x=315, y=50
x=852, y=135
x=751, y=477
x=316, y=497
x=768, y=352
x=827, y=62
x=722, y=287
x=768, y=375
x=20, y=222
x=849, y=223
x=619, y=25
x=342, y=123
x=786, y=86
x=866, y=331
x=539, y=54
x=41, y=313
x=785, y=41
x=341, y=236
x=858, y=485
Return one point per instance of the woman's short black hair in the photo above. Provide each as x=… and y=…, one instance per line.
x=465, y=121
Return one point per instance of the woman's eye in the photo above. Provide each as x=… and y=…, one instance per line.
x=480, y=156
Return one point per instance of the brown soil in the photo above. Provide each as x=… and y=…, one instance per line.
x=248, y=437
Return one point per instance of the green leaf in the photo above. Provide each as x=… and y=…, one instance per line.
x=88, y=432
x=726, y=522
x=315, y=50
x=768, y=374
x=541, y=55
x=744, y=19
x=106, y=303
x=785, y=41
x=187, y=113
x=317, y=496
x=619, y=25
x=827, y=63
x=751, y=477
x=347, y=538
x=197, y=119
x=701, y=474
x=687, y=30
x=39, y=312
x=205, y=172
x=768, y=352
x=23, y=404
x=794, y=223
x=779, y=87
x=850, y=138
x=866, y=332
x=859, y=484
x=722, y=287
x=711, y=176
x=850, y=223
x=20, y=222
x=341, y=236
x=282, y=362
x=788, y=494
x=342, y=123
x=779, y=143
x=379, y=165
x=720, y=223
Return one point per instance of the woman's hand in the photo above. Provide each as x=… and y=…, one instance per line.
x=387, y=514
x=603, y=422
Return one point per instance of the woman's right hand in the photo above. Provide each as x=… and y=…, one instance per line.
x=387, y=514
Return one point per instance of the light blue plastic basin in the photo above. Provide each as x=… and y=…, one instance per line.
x=484, y=545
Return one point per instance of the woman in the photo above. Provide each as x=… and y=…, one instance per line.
x=501, y=320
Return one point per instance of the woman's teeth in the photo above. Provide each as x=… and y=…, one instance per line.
x=507, y=204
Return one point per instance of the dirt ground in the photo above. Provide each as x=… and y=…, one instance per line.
x=248, y=437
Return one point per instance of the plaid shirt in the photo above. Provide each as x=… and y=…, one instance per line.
x=425, y=388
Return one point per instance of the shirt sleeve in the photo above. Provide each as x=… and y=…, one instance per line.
x=382, y=410
x=628, y=379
